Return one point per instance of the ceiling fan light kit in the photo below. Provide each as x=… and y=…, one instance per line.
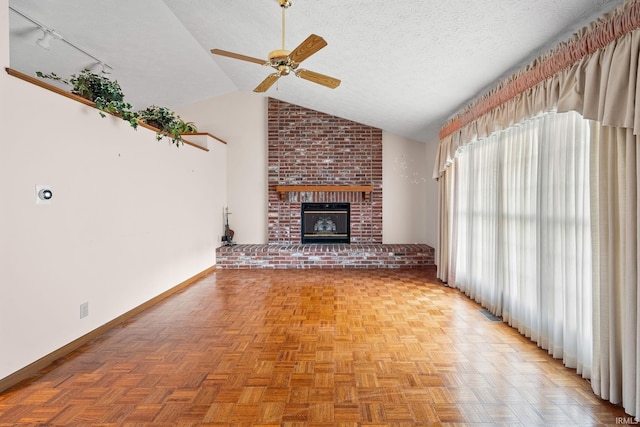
x=285, y=61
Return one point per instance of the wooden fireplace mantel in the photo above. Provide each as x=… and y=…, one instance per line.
x=364, y=189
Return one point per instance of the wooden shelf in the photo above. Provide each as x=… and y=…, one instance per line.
x=197, y=134
x=364, y=189
x=67, y=94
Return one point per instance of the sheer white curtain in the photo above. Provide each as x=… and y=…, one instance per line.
x=476, y=222
x=522, y=231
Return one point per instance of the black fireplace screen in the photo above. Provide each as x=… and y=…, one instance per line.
x=326, y=222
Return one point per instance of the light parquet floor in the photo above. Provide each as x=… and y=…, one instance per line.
x=309, y=348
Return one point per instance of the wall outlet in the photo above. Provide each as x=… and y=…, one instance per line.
x=84, y=310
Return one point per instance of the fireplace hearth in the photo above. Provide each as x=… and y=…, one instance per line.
x=326, y=222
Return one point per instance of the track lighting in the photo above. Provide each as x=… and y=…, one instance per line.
x=45, y=41
x=48, y=35
x=105, y=68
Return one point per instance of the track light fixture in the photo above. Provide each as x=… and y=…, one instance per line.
x=45, y=41
x=49, y=34
x=105, y=68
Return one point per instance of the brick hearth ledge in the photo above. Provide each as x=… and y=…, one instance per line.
x=354, y=255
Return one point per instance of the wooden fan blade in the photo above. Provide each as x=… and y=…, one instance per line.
x=267, y=83
x=238, y=56
x=307, y=48
x=321, y=79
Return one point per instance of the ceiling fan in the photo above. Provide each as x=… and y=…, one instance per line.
x=285, y=62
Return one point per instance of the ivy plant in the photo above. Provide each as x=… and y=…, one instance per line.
x=108, y=97
x=105, y=93
x=167, y=122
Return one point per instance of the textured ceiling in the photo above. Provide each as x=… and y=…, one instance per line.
x=406, y=66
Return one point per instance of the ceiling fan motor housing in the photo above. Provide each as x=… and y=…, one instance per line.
x=279, y=59
x=278, y=55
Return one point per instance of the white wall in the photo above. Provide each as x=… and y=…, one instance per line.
x=130, y=218
x=406, y=216
x=240, y=119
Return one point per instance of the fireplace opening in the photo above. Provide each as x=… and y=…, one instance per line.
x=326, y=222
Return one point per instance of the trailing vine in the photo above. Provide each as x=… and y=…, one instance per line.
x=108, y=98
x=105, y=93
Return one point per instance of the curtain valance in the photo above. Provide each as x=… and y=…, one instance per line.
x=594, y=73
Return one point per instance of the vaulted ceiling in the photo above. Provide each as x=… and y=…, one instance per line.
x=405, y=66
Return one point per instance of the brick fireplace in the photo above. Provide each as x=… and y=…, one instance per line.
x=335, y=161
x=309, y=148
